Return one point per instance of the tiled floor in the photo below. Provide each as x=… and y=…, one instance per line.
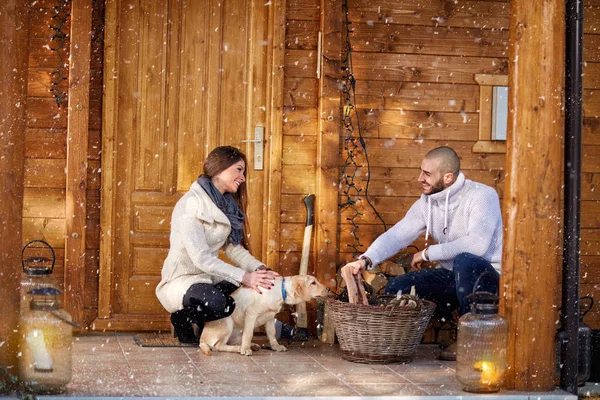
x=115, y=366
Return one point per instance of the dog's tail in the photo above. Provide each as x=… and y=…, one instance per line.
x=205, y=348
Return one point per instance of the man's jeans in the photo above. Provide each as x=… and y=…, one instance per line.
x=449, y=289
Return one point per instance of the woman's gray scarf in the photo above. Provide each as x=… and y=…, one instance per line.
x=228, y=206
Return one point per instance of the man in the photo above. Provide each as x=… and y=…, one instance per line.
x=463, y=217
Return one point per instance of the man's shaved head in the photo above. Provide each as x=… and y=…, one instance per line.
x=449, y=161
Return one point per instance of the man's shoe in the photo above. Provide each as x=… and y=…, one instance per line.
x=449, y=353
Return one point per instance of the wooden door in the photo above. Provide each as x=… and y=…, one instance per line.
x=181, y=77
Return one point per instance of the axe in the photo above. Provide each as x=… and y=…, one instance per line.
x=302, y=332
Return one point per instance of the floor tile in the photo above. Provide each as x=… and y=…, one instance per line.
x=390, y=389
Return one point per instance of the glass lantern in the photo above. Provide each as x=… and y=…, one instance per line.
x=482, y=342
x=37, y=273
x=45, y=341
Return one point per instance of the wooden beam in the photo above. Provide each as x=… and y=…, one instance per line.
x=109, y=135
x=328, y=142
x=275, y=62
x=532, y=199
x=77, y=151
x=13, y=91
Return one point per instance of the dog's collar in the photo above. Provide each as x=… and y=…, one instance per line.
x=283, y=292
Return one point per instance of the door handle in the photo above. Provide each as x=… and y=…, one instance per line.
x=259, y=146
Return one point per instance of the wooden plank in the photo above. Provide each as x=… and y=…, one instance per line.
x=300, y=64
x=590, y=242
x=299, y=150
x=591, y=18
x=411, y=96
x=591, y=45
x=52, y=143
x=43, y=113
x=590, y=159
x=414, y=39
x=489, y=147
x=300, y=121
x=77, y=145
x=590, y=214
x=404, y=153
x=298, y=180
x=44, y=203
x=302, y=10
x=424, y=68
x=591, y=75
x=301, y=35
x=330, y=123
x=46, y=143
x=186, y=107
x=402, y=182
x=275, y=70
x=591, y=104
x=109, y=136
x=419, y=125
x=14, y=31
x=300, y=92
x=590, y=186
x=52, y=230
x=591, y=131
x=468, y=14
x=39, y=83
x=531, y=249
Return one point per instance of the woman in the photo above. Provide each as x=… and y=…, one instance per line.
x=196, y=284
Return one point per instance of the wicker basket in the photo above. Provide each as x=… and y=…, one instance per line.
x=376, y=334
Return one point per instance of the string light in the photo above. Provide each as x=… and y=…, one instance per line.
x=59, y=39
x=352, y=147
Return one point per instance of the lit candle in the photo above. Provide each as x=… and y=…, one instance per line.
x=489, y=374
x=41, y=356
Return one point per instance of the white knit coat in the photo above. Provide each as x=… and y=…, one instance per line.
x=463, y=218
x=198, y=231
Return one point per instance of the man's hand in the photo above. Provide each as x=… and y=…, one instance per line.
x=417, y=261
x=259, y=278
x=356, y=266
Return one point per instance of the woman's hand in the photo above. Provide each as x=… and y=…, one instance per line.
x=261, y=278
x=357, y=266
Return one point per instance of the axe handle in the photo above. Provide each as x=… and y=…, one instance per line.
x=309, y=202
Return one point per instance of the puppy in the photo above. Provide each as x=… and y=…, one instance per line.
x=253, y=310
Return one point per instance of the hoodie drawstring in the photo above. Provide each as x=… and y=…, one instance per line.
x=428, y=219
x=429, y=216
x=446, y=214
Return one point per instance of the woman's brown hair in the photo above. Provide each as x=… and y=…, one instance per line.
x=220, y=159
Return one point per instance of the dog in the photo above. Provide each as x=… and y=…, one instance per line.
x=253, y=309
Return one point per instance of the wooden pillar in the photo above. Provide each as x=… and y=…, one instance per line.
x=13, y=92
x=77, y=145
x=275, y=62
x=532, y=198
x=328, y=142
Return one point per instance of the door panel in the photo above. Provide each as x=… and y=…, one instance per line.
x=187, y=76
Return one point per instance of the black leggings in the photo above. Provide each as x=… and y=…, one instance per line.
x=211, y=301
x=202, y=302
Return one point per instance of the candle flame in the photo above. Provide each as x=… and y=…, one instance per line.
x=489, y=373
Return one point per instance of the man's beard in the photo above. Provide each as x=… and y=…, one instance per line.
x=437, y=187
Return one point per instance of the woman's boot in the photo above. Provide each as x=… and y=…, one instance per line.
x=182, y=324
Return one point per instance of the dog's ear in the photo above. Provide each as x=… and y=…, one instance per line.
x=300, y=290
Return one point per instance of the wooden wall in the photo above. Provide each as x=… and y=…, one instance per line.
x=414, y=62
x=45, y=149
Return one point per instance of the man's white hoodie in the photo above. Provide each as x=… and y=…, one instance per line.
x=463, y=218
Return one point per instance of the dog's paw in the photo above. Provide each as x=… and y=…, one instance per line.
x=246, y=352
x=255, y=347
x=205, y=348
x=279, y=347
